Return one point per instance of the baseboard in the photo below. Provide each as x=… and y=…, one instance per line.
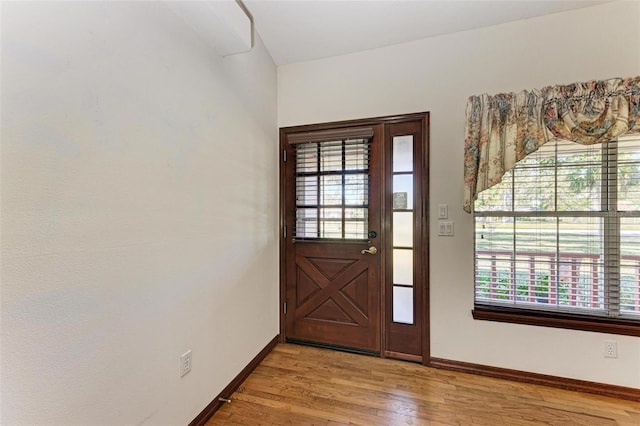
x=537, y=379
x=202, y=418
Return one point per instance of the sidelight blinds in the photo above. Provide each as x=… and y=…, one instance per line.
x=561, y=232
x=332, y=188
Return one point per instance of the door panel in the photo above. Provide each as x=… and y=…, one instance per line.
x=336, y=297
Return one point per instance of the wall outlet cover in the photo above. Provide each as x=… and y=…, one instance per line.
x=185, y=363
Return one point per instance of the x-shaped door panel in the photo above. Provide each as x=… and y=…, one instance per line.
x=340, y=292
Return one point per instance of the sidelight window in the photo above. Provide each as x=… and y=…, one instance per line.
x=403, y=228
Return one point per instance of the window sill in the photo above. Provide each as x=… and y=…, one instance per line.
x=557, y=320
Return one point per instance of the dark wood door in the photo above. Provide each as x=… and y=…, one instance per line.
x=332, y=213
x=346, y=187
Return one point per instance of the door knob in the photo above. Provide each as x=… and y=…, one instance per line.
x=370, y=250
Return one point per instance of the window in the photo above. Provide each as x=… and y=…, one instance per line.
x=557, y=242
x=332, y=190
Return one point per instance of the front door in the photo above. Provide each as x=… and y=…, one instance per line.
x=333, y=222
x=338, y=186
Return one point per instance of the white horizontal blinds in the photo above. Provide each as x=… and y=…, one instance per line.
x=561, y=232
x=332, y=189
x=628, y=205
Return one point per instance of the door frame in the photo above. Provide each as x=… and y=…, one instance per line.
x=423, y=117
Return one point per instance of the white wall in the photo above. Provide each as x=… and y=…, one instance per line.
x=438, y=75
x=139, y=214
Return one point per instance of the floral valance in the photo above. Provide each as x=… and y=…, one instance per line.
x=503, y=129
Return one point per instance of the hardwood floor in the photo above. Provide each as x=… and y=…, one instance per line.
x=299, y=385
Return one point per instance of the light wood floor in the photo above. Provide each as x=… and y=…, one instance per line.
x=299, y=385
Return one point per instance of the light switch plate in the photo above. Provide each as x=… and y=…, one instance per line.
x=441, y=228
x=443, y=211
x=445, y=228
x=448, y=228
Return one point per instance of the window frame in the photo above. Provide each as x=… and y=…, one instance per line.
x=558, y=318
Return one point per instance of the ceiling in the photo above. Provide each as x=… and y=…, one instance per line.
x=303, y=30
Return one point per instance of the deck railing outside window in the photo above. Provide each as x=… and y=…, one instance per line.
x=572, y=280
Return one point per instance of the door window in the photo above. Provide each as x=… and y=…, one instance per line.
x=332, y=190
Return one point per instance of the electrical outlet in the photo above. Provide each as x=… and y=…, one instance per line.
x=185, y=363
x=610, y=349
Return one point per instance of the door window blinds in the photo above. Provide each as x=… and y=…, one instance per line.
x=331, y=186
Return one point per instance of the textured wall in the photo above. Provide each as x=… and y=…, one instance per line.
x=437, y=75
x=139, y=213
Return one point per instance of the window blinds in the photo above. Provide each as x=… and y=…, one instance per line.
x=561, y=232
